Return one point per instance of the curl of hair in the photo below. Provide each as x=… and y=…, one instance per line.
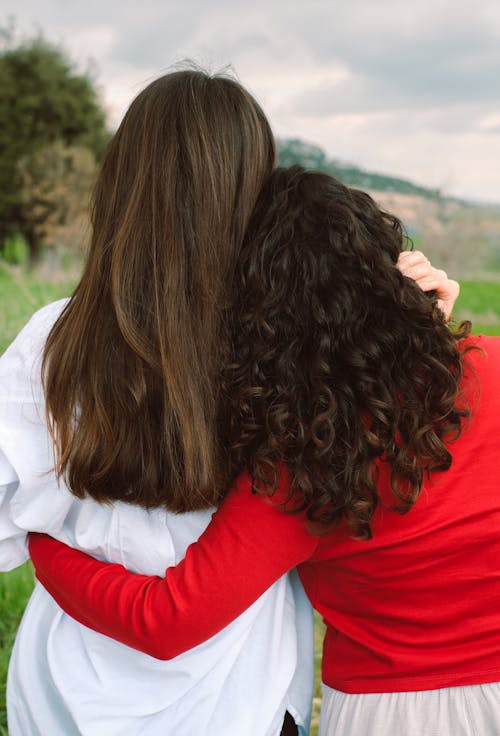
x=338, y=360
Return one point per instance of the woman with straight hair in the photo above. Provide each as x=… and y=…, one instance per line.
x=124, y=449
x=365, y=433
x=131, y=395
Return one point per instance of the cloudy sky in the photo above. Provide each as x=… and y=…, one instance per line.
x=405, y=87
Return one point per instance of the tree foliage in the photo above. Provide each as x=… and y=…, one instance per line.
x=45, y=105
x=53, y=182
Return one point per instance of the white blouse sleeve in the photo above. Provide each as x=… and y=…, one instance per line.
x=29, y=497
x=13, y=549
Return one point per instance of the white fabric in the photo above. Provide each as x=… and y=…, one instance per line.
x=471, y=710
x=66, y=680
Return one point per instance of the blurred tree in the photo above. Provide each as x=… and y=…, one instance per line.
x=53, y=183
x=45, y=105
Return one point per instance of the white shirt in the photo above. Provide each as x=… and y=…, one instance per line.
x=66, y=680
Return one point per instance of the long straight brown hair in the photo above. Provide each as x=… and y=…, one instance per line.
x=131, y=367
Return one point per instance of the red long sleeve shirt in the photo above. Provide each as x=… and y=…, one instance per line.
x=415, y=608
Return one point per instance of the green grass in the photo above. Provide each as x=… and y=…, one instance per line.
x=22, y=293
x=15, y=588
x=479, y=301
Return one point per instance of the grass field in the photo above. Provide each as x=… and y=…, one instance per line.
x=22, y=293
x=479, y=301
x=15, y=588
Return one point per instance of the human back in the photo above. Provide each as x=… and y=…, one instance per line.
x=128, y=410
x=413, y=633
x=406, y=609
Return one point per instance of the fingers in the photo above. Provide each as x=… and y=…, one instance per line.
x=415, y=265
x=411, y=257
x=447, y=297
x=432, y=278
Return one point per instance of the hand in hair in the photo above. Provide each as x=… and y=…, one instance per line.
x=416, y=266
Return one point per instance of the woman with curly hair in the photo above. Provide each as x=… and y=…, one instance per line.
x=362, y=432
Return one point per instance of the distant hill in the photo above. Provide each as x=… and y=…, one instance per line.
x=461, y=237
x=295, y=151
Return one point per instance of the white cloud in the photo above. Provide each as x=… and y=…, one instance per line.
x=406, y=87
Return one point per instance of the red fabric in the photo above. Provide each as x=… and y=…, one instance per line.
x=415, y=608
x=418, y=606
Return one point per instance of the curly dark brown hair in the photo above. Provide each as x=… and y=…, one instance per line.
x=337, y=358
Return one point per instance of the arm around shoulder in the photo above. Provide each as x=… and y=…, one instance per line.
x=248, y=545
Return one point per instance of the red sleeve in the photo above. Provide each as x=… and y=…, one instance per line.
x=247, y=546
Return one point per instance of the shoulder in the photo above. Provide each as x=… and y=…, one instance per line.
x=481, y=364
x=489, y=343
x=33, y=335
x=20, y=365
x=42, y=321
x=482, y=351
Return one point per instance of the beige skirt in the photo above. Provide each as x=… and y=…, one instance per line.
x=472, y=710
